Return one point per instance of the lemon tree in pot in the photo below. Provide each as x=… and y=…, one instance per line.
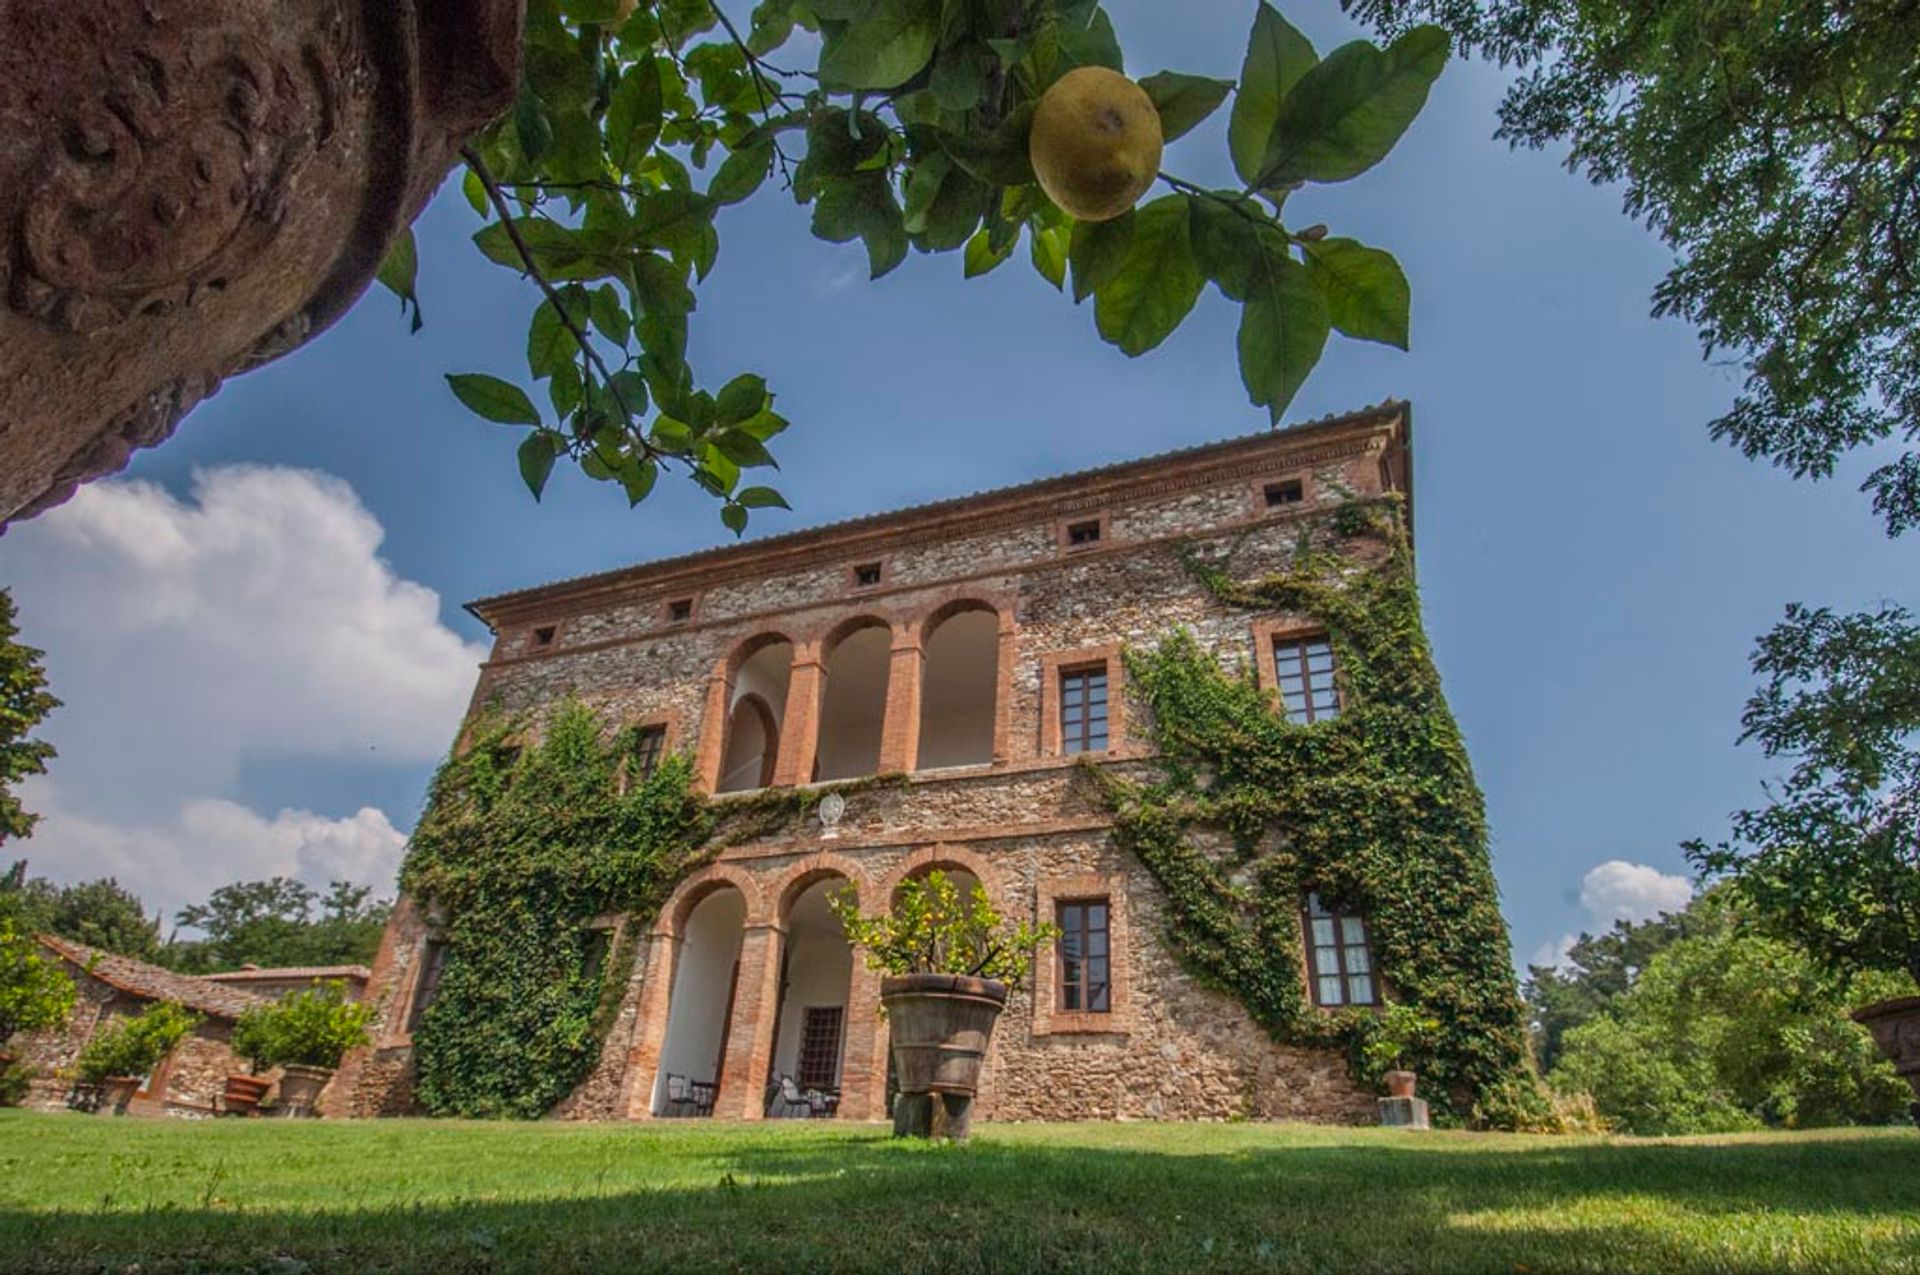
x=1391, y=1045
x=950, y=961
x=305, y=1034
x=120, y=1054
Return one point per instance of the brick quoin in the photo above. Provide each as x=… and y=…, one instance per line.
x=1018, y=816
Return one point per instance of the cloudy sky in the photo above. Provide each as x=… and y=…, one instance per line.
x=258, y=636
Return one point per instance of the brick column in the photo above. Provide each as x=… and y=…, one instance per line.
x=900, y=729
x=800, y=721
x=713, y=733
x=863, y=1067
x=756, y=1001
x=650, y=1036
x=1003, y=689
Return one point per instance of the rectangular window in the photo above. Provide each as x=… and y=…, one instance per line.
x=1085, y=962
x=1083, y=710
x=432, y=961
x=866, y=575
x=820, y=1047
x=1083, y=533
x=1304, y=666
x=1340, y=956
x=543, y=636
x=679, y=611
x=599, y=943
x=1290, y=492
x=648, y=746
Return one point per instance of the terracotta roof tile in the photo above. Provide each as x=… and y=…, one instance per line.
x=150, y=981
x=285, y=973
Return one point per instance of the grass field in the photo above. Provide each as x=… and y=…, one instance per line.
x=79, y=1193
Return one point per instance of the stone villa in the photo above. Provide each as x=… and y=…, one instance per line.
x=975, y=647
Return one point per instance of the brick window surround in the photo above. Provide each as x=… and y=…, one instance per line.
x=1063, y=532
x=1105, y=658
x=665, y=727
x=1271, y=632
x=1048, y=1017
x=1264, y=508
x=872, y=574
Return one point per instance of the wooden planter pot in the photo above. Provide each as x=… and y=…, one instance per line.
x=191, y=189
x=244, y=1094
x=941, y=1025
x=115, y=1093
x=300, y=1088
x=1895, y=1025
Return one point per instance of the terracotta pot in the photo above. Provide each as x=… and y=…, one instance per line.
x=940, y=1025
x=1895, y=1025
x=243, y=1094
x=1400, y=1084
x=300, y=1088
x=191, y=189
x=115, y=1093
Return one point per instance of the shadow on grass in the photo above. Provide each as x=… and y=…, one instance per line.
x=866, y=1204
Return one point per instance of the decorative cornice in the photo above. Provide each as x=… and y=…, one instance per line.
x=1326, y=441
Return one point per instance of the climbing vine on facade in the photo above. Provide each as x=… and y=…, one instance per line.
x=1376, y=809
x=525, y=850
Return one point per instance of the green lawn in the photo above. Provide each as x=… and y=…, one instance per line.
x=81, y=1193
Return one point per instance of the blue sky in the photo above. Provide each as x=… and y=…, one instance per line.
x=1594, y=567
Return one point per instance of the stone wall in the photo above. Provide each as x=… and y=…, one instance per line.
x=1027, y=824
x=187, y=1083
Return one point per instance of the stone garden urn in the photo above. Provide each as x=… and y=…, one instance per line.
x=1895, y=1025
x=941, y=1025
x=300, y=1088
x=191, y=188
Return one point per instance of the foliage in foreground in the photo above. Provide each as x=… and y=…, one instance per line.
x=249, y=1195
x=24, y=704
x=1725, y=1029
x=909, y=131
x=35, y=993
x=1377, y=809
x=932, y=929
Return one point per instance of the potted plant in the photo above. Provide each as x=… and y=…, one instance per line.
x=1395, y=1038
x=307, y=1034
x=252, y=1040
x=121, y=1053
x=950, y=962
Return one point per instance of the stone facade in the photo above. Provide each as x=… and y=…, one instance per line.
x=1068, y=574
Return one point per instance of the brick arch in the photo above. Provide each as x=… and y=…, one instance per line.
x=946, y=856
x=693, y=891
x=795, y=881
x=851, y=625
x=923, y=627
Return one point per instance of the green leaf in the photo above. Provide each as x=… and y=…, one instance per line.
x=476, y=192
x=609, y=315
x=1156, y=283
x=982, y=255
x=1230, y=233
x=660, y=285
x=863, y=207
x=1346, y=114
x=740, y=398
x=492, y=398
x=676, y=220
x=671, y=435
x=735, y=517
x=631, y=388
x=772, y=24
x=743, y=449
x=959, y=80
x=998, y=158
x=1277, y=56
x=565, y=389
x=530, y=124
x=537, y=455
x=1184, y=100
x=741, y=174
x=763, y=424
x=722, y=472
x=885, y=47
x=1283, y=328
x=550, y=344
x=399, y=272
x=1366, y=292
x=633, y=116
x=1097, y=250
x=1048, y=248
x=762, y=498
x=638, y=479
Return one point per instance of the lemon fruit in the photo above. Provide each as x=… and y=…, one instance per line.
x=1096, y=143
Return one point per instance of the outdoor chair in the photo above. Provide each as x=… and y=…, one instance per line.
x=793, y=1103
x=824, y=1102
x=679, y=1096
x=702, y=1096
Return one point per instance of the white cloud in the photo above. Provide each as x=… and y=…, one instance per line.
x=1620, y=891
x=252, y=624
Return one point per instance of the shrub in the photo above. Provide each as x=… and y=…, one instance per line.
x=933, y=930
x=314, y=1028
x=134, y=1046
x=15, y=1080
x=34, y=992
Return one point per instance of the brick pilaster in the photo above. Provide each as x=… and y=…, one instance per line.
x=900, y=728
x=643, y=1060
x=713, y=733
x=863, y=1065
x=800, y=721
x=756, y=1000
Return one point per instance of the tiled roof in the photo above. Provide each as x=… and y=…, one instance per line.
x=150, y=981
x=290, y=973
x=1386, y=408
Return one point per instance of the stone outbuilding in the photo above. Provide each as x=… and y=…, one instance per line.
x=973, y=647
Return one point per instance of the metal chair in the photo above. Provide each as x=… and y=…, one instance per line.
x=702, y=1093
x=679, y=1096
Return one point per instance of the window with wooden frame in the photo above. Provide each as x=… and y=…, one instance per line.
x=1083, y=709
x=1303, y=667
x=649, y=746
x=1084, y=959
x=1339, y=956
x=432, y=961
x=820, y=1046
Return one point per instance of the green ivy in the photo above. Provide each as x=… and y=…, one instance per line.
x=520, y=850
x=1376, y=808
